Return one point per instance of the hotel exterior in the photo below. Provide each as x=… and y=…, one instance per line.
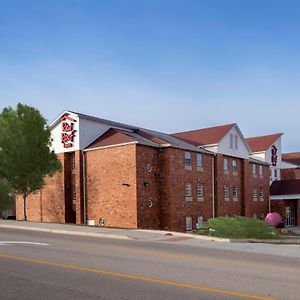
x=118, y=175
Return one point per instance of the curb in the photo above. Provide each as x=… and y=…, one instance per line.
x=77, y=233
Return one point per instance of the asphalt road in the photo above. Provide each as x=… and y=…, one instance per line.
x=70, y=267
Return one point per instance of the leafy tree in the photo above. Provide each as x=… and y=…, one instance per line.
x=25, y=156
x=6, y=197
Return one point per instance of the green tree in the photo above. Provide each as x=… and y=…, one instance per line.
x=6, y=197
x=25, y=156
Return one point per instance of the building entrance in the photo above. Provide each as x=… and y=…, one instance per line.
x=290, y=216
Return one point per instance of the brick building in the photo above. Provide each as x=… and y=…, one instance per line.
x=285, y=193
x=118, y=175
x=284, y=176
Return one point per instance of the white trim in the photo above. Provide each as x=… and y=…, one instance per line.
x=285, y=197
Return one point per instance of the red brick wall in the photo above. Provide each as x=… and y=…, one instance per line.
x=228, y=207
x=111, y=186
x=148, y=187
x=174, y=207
x=46, y=205
x=260, y=206
x=290, y=174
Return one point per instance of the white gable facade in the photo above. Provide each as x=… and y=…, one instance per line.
x=232, y=144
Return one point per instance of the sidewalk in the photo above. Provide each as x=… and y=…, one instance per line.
x=132, y=234
x=125, y=234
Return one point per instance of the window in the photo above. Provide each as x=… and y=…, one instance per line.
x=254, y=170
x=231, y=141
x=234, y=166
x=254, y=193
x=234, y=192
x=200, y=222
x=225, y=162
x=261, y=171
x=226, y=193
x=200, y=192
x=275, y=173
x=236, y=142
x=261, y=194
x=188, y=223
x=255, y=216
x=187, y=160
x=199, y=159
x=188, y=192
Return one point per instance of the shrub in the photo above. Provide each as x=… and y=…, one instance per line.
x=273, y=219
x=240, y=227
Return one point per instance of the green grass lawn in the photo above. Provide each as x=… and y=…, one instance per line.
x=239, y=228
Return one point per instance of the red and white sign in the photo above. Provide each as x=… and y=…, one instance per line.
x=274, y=156
x=68, y=131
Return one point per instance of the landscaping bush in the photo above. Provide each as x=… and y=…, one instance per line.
x=240, y=228
x=273, y=219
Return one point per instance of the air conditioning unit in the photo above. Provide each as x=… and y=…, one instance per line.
x=91, y=222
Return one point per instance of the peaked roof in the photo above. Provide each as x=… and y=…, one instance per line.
x=262, y=143
x=93, y=119
x=205, y=136
x=285, y=187
x=120, y=133
x=117, y=137
x=292, y=157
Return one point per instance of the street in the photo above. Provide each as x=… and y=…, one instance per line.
x=35, y=265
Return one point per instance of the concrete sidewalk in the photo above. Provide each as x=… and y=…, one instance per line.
x=125, y=234
x=132, y=234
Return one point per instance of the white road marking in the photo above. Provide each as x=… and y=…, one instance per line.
x=5, y=243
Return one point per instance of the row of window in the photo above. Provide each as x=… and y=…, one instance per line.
x=234, y=141
x=260, y=170
x=234, y=191
x=189, y=192
x=226, y=189
x=234, y=165
x=188, y=161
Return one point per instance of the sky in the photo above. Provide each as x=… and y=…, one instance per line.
x=168, y=65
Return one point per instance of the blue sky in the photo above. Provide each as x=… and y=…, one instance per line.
x=167, y=65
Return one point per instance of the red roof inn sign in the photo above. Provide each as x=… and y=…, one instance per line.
x=274, y=156
x=68, y=132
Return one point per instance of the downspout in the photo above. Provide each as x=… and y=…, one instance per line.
x=84, y=187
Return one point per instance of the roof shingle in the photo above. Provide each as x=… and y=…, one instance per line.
x=262, y=143
x=205, y=136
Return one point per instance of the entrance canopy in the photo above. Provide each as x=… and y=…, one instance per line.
x=285, y=190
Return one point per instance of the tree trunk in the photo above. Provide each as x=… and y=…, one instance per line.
x=24, y=206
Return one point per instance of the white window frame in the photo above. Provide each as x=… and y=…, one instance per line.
x=261, y=194
x=254, y=171
x=199, y=161
x=188, y=160
x=226, y=192
x=225, y=164
x=234, y=192
x=234, y=166
x=188, y=223
x=200, y=192
x=254, y=194
x=231, y=141
x=261, y=171
x=236, y=142
x=188, y=192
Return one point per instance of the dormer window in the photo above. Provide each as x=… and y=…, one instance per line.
x=231, y=141
x=236, y=140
